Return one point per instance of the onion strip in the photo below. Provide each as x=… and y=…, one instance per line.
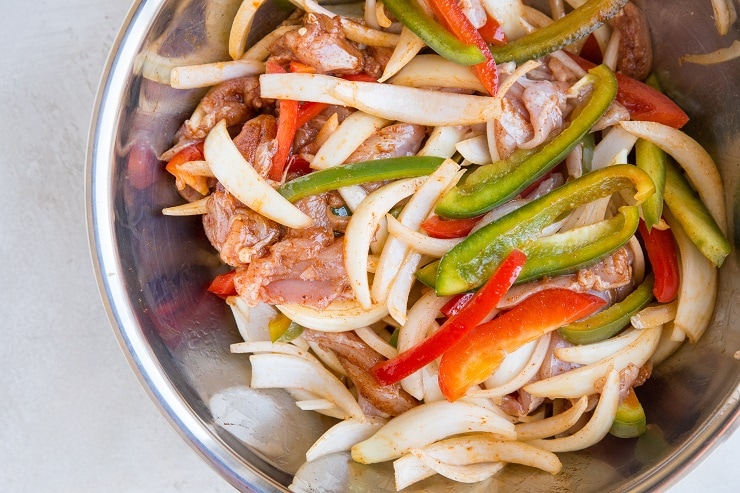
x=343, y=435
x=555, y=425
x=591, y=353
x=339, y=316
x=195, y=208
x=409, y=44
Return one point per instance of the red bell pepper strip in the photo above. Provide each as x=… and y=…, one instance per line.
x=287, y=124
x=193, y=152
x=591, y=50
x=361, y=77
x=436, y=227
x=456, y=327
x=456, y=304
x=642, y=101
x=661, y=251
x=308, y=111
x=479, y=353
x=301, y=68
x=223, y=285
x=451, y=16
x=492, y=32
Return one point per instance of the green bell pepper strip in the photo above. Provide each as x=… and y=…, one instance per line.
x=651, y=159
x=563, y=253
x=609, y=322
x=693, y=216
x=630, y=420
x=495, y=183
x=471, y=262
x=357, y=173
x=576, y=25
x=589, y=143
x=410, y=14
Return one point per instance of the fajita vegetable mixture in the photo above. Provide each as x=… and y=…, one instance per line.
x=462, y=229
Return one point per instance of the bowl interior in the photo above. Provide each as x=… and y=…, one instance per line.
x=153, y=271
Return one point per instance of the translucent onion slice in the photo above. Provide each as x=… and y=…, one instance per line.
x=210, y=74
x=339, y=316
x=271, y=371
x=376, y=342
x=196, y=208
x=362, y=227
x=512, y=365
x=243, y=182
x=434, y=247
x=409, y=44
x=719, y=56
x=328, y=358
x=410, y=469
x=526, y=375
x=597, y=427
x=652, y=316
x=343, y=435
x=468, y=473
x=475, y=150
x=306, y=401
x=413, y=214
x=611, y=54
x=441, y=142
x=352, y=132
x=591, y=353
x=398, y=295
x=436, y=71
x=258, y=347
x=582, y=381
x=315, y=405
x=697, y=289
x=666, y=346
x=421, y=106
x=261, y=49
x=724, y=15
x=617, y=142
x=509, y=14
x=696, y=162
x=426, y=424
x=555, y=425
x=251, y=321
x=241, y=26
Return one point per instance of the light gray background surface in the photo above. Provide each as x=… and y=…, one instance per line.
x=72, y=415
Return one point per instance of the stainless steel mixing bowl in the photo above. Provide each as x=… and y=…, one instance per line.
x=153, y=271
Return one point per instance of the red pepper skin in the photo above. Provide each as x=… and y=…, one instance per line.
x=479, y=353
x=456, y=304
x=492, y=32
x=308, y=111
x=591, y=50
x=451, y=16
x=223, y=285
x=661, y=251
x=193, y=152
x=287, y=124
x=361, y=77
x=456, y=327
x=642, y=101
x=436, y=227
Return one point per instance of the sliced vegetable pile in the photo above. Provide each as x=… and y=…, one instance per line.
x=447, y=229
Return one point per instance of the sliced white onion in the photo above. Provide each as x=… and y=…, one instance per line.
x=258, y=347
x=210, y=74
x=616, y=142
x=435, y=71
x=697, y=290
x=409, y=44
x=412, y=215
x=306, y=401
x=718, y=56
x=315, y=405
x=409, y=469
x=368, y=36
x=328, y=358
x=339, y=316
x=441, y=142
x=654, y=315
x=724, y=15
x=241, y=26
x=261, y=49
x=591, y=353
x=327, y=130
x=509, y=14
x=251, y=321
x=430, y=381
x=511, y=366
x=362, y=227
x=426, y=424
x=468, y=473
x=555, y=425
x=666, y=346
x=343, y=435
x=434, y=247
x=196, y=208
x=582, y=381
x=287, y=371
x=597, y=427
x=243, y=182
x=376, y=342
x=526, y=375
x=696, y=162
x=611, y=55
x=352, y=132
x=475, y=150
x=398, y=295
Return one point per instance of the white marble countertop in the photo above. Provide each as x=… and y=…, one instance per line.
x=74, y=417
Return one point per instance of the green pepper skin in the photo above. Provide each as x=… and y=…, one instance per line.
x=563, y=253
x=609, y=322
x=357, y=173
x=630, y=420
x=652, y=160
x=433, y=34
x=567, y=252
x=495, y=183
x=693, y=216
x=576, y=25
x=471, y=262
